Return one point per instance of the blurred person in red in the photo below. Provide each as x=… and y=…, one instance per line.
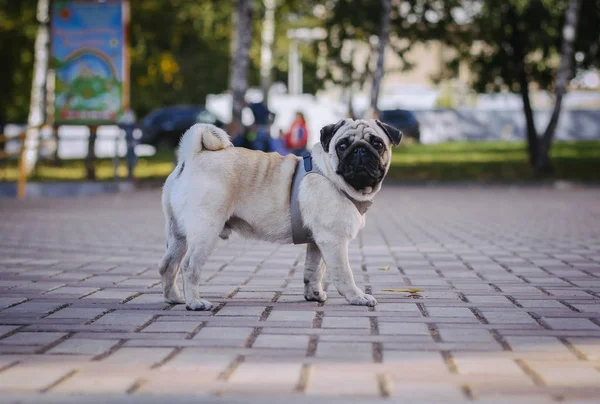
x=296, y=138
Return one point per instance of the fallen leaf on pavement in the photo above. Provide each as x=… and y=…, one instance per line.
x=413, y=290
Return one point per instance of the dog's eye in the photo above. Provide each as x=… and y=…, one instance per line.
x=341, y=147
x=377, y=144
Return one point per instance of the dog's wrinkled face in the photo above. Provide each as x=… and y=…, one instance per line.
x=360, y=152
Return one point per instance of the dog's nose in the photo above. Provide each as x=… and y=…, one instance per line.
x=359, y=151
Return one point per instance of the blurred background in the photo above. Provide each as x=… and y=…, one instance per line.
x=483, y=90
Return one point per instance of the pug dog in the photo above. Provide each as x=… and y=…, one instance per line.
x=320, y=200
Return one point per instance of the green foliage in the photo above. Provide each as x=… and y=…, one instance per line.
x=350, y=23
x=18, y=28
x=180, y=50
x=505, y=37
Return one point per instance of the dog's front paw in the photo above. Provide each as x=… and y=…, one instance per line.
x=361, y=300
x=198, y=305
x=314, y=295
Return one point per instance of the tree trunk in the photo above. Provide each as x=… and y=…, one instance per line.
x=544, y=164
x=351, y=113
x=266, y=49
x=37, y=103
x=383, y=40
x=518, y=47
x=240, y=61
x=90, y=159
x=531, y=131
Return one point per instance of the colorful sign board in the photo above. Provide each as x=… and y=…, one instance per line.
x=91, y=60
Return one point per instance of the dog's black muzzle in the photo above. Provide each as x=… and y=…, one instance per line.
x=361, y=166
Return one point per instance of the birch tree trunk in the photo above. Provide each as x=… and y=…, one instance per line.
x=544, y=164
x=37, y=103
x=240, y=60
x=266, y=48
x=383, y=41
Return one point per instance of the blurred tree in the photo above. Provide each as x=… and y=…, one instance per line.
x=37, y=102
x=354, y=26
x=240, y=61
x=18, y=29
x=266, y=50
x=350, y=24
x=516, y=44
x=179, y=51
x=386, y=9
x=290, y=14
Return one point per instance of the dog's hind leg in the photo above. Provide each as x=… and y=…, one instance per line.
x=314, y=269
x=169, y=268
x=169, y=265
x=201, y=240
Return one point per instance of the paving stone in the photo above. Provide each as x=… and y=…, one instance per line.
x=32, y=338
x=537, y=344
x=9, y=301
x=449, y=312
x=235, y=336
x=349, y=380
x=346, y=322
x=398, y=308
x=415, y=366
x=296, y=316
x=30, y=377
x=241, y=311
x=351, y=351
x=250, y=377
x=465, y=334
x=508, y=317
x=84, y=314
x=482, y=365
x=541, y=304
x=111, y=294
x=436, y=392
x=77, y=346
x=145, y=357
x=73, y=290
x=123, y=318
x=281, y=341
x=37, y=309
x=571, y=324
x=399, y=328
x=195, y=359
x=590, y=347
x=97, y=381
x=5, y=329
x=566, y=374
x=172, y=326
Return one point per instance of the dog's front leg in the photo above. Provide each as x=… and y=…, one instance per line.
x=336, y=258
x=314, y=269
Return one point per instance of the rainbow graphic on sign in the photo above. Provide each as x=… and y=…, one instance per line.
x=89, y=55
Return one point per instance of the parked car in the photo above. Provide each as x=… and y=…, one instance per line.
x=404, y=120
x=163, y=127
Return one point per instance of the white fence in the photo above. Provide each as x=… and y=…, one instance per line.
x=444, y=125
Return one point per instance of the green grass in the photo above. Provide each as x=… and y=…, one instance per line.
x=460, y=161
x=492, y=162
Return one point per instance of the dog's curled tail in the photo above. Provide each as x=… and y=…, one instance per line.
x=201, y=136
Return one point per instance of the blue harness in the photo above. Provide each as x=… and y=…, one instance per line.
x=301, y=234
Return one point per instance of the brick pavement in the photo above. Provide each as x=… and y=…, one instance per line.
x=510, y=308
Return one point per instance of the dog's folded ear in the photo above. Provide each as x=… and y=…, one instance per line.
x=394, y=134
x=328, y=131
